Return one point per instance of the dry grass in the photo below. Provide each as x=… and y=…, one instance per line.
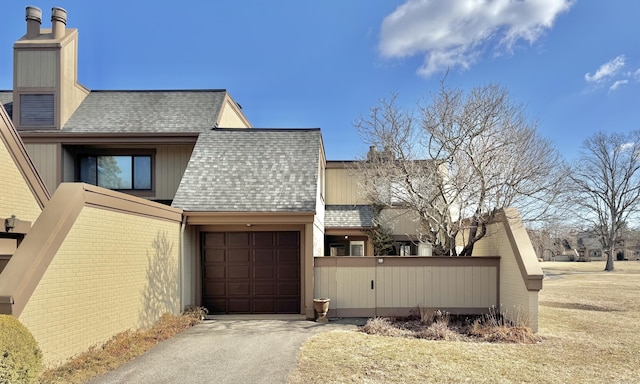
x=430, y=324
x=588, y=320
x=121, y=348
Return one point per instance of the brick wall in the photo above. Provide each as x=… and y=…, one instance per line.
x=114, y=271
x=15, y=195
x=508, y=239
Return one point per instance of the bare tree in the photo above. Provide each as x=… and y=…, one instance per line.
x=606, y=182
x=456, y=162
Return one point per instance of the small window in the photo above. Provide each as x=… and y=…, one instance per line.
x=356, y=248
x=37, y=110
x=122, y=172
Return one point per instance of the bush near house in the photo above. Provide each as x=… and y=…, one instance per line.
x=20, y=356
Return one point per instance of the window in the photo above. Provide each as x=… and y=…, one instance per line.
x=356, y=248
x=129, y=172
x=405, y=249
x=36, y=110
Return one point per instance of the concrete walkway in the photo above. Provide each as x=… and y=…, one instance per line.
x=224, y=351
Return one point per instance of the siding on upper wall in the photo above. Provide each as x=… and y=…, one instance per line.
x=400, y=221
x=37, y=68
x=16, y=197
x=341, y=188
x=71, y=93
x=229, y=117
x=171, y=162
x=46, y=158
x=113, y=272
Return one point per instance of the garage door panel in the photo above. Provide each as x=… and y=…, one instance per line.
x=214, y=256
x=261, y=272
x=264, y=289
x=239, y=305
x=288, y=238
x=239, y=289
x=215, y=239
x=288, y=289
x=217, y=305
x=215, y=272
x=239, y=272
x=263, y=239
x=216, y=288
x=239, y=255
x=251, y=272
x=263, y=305
x=238, y=239
x=288, y=273
x=264, y=256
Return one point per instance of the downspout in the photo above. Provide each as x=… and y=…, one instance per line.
x=183, y=225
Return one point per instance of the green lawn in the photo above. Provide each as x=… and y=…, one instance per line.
x=589, y=320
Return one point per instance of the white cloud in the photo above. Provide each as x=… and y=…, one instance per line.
x=618, y=84
x=455, y=32
x=606, y=70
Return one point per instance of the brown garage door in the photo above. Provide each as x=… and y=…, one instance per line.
x=251, y=272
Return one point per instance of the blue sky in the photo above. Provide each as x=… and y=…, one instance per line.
x=574, y=65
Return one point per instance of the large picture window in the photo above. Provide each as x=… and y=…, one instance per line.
x=127, y=172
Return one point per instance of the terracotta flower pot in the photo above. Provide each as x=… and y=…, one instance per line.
x=320, y=309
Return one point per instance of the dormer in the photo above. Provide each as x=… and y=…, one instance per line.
x=46, y=91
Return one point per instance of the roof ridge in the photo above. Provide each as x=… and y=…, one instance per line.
x=158, y=90
x=254, y=129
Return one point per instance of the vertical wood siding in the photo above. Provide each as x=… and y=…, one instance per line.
x=37, y=68
x=46, y=158
x=401, y=284
x=341, y=188
x=171, y=162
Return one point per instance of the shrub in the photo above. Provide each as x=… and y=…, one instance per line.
x=384, y=327
x=20, y=356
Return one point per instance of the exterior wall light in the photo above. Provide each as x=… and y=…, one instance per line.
x=10, y=223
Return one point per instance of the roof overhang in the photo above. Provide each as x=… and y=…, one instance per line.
x=248, y=218
x=86, y=138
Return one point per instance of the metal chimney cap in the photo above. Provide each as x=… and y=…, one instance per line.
x=59, y=14
x=34, y=13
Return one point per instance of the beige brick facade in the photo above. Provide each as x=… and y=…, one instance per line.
x=16, y=198
x=113, y=272
x=508, y=239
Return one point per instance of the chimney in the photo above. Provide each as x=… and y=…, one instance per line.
x=58, y=22
x=372, y=154
x=34, y=19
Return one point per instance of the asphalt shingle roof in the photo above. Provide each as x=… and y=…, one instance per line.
x=143, y=111
x=252, y=170
x=6, y=99
x=348, y=216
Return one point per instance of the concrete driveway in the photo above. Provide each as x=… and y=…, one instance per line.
x=224, y=351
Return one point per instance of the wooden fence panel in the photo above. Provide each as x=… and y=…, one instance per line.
x=367, y=286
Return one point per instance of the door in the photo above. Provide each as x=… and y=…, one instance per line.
x=251, y=272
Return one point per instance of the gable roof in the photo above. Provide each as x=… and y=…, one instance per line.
x=142, y=111
x=252, y=170
x=348, y=216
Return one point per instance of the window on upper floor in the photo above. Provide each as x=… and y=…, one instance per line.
x=120, y=172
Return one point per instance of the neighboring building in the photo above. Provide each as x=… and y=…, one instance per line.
x=589, y=247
